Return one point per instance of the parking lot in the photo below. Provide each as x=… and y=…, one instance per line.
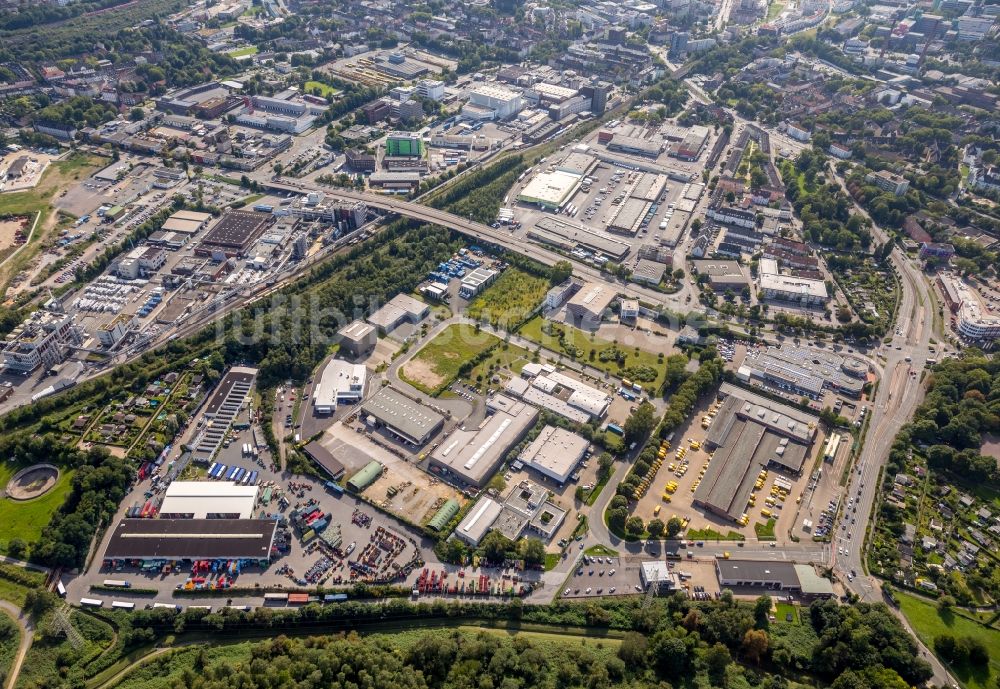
x=685, y=471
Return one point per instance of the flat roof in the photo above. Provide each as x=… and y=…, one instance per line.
x=549, y=188
x=555, y=231
x=577, y=163
x=479, y=520
x=236, y=229
x=532, y=395
x=474, y=454
x=405, y=416
x=399, y=307
x=204, y=498
x=629, y=214
x=593, y=297
x=805, y=287
x=726, y=486
x=194, y=539
x=650, y=271
x=356, y=330
x=762, y=571
x=181, y=226
x=585, y=397
x=340, y=379
x=555, y=452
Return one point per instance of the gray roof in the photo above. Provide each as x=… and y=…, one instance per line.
x=402, y=414
x=176, y=539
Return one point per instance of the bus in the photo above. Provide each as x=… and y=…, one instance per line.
x=91, y=602
x=60, y=589
x=172, y=606
x=122, y=605
x=275, y=597
x=117, y=583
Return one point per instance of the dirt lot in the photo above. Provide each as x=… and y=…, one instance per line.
x=37, y=162
x=682, y=506
x=9, y=230
x=420, y=494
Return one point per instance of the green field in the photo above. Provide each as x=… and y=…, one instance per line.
x=782, y=610
x=325, y=90
x=928, y=623
x=710, y=534
x=765, y=531
x=26, y=519
x=645, y=367
x=438, y=364
x=508, y=301
x=243, y=52
x=506, y=356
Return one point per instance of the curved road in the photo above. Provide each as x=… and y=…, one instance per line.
x=27, y=634
x=897, y=398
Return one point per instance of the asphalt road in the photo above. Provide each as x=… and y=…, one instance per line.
x=27, y=633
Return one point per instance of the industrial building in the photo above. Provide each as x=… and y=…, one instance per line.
x=192, y=539
x=478, y=521
x=550, y=190
x=555, y=453
x=748, y=434
x=368, y=474
x=773, y=574
x=492, y=102
x=556, y=231
x=722, y=275
x=476, y=281
x=527, y=508
x=222, y=408
x=43, y=339
x=524, y=390
x=658, y=573
x=402, y=308
x=324, y=459
x=587, y=306
x=806, y=371
x=233, y=234
x=340, y=383
x=472, y=456
x=208, y=500
x=404, y=144
x=401, y=416
x=357, y=338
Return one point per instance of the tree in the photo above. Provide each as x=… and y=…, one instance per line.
x=640, y=423
x=37, y=602
x=656, y=528
x=673, y=658
x=634, y=526
x=605, y=463
x=762, y=611
x=560, y=272
x=494, y=546
x=755, y=645
x=634, y=651
x=717, y=658
x=16, y=548
x=674, y=526
x=533, y=551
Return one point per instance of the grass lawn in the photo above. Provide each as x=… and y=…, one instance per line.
x=506, y=356
x=601, y=550
x=928, y=623
x=774, y=9
x=710, y=534
x=637, y=364
x=439, y=362
x=27, y=519
x=596, y=491
x=325, y=90
x=783, y=610
x=12, y=592
x=551, y=560
x=765, y=531
x=243, y=52
x=509, y=300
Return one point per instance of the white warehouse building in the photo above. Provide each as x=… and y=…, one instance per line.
x=208, y=500
x=502, y=102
